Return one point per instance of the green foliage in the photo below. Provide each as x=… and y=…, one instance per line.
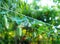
x=19, y=19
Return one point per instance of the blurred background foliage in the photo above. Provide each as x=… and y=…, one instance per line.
x=29, y=21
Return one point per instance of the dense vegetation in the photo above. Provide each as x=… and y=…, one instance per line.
x=21, y=22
